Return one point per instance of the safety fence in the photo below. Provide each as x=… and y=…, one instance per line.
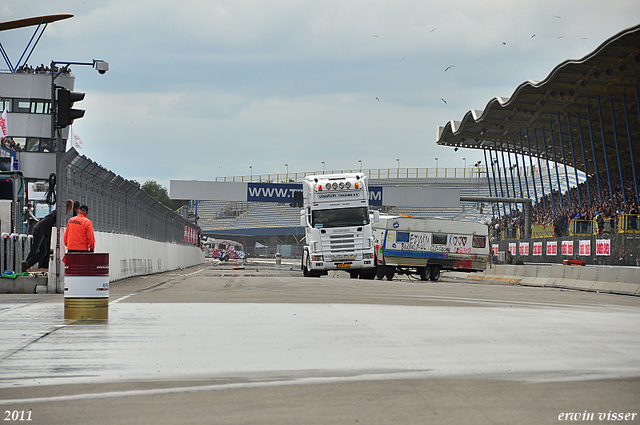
x=117, y=205
x=606, y=249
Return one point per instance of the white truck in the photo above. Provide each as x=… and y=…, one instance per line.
x=337, y=225
x=424, y=246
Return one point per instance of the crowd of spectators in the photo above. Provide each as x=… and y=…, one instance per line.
x=10, y=145
x=601, y=206
x=42, y=69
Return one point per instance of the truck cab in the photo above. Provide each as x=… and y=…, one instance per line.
x=337, y=225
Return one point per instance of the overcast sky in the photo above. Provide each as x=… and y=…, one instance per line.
x=199, y=89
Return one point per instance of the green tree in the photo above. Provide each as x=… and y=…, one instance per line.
x=160, y=194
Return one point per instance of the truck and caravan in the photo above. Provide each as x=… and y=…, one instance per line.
x=342, y=234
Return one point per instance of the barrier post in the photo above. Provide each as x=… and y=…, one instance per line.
x=86, y=286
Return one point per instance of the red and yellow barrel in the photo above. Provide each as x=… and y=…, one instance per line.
x=86, y=286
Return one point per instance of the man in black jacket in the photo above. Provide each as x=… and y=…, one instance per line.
x=42, y=240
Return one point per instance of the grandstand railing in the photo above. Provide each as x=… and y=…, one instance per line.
x=118, y=206
x=372, y=173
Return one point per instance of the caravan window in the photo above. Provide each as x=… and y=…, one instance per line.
x=439, y=238
x=479, y=242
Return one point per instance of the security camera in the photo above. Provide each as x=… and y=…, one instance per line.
x=101, y=66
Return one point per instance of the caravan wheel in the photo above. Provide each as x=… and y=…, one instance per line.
x=425, y=273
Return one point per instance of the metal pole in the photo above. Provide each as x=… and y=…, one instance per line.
x=573, y=159
x=564, y=160
x=493, y=213
x=533, y=173
x=604, y=148
x=615, y=139
x=584, y=158
x=553, y=150
x=593, y=150
x=546, y=157
x=633, y=166
x=544, y=199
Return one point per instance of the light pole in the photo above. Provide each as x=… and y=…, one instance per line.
x=398, y=167
x=322, y=167
x=56, y=134
x=360, y=161
x=250, y=173
x=286, y=177
x=436, y=167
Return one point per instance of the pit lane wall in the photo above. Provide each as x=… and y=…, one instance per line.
x=604, y=279
x=134, y=256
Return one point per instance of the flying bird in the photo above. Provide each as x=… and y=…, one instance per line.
x=559, y=17
x=433, y=30
x=504, y=43
x=562, y=36
x=448, y=68
x=445, y=102
x=377, y=99
x=375, y=36
x=533, y=35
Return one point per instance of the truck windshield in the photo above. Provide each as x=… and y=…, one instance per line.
x=341, y=217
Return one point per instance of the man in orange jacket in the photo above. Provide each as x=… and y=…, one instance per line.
x=79, y=237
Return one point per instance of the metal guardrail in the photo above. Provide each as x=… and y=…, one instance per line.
x=14, y=249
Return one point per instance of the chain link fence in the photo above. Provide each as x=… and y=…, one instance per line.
x=118, y=206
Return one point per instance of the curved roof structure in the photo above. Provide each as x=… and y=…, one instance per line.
x=586, y=110
x=37, y=20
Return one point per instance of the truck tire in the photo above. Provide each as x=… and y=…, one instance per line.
x=425, y=273
x=435, y=273
x=305, y=265
x=380, y=272
x=389, y=271
x=354, y=275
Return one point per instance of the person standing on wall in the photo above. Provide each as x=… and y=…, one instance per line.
x=79, y=237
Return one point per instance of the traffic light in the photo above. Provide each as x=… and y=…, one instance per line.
x=65, y=113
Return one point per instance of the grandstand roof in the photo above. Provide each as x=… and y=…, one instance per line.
x=597, y=95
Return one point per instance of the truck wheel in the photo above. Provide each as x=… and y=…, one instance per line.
x=305, y=265
x=354, y=275
x=379, y=272
x=425, y=273
x=435, y=273
x=389, y=272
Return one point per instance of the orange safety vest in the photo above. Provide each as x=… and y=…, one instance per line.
x=79, y=234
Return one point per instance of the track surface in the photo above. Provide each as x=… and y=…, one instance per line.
x=264, y=345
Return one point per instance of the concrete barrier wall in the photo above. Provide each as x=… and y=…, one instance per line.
x=611, y=279
x=134, y=256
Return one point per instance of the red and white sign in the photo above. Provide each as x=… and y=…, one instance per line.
x=537, y=248
x=567, y=247
x=524, y=248
x=3, y=124
x=552, y=248
x=495, y=248
x=512, y=248
x=603, y=246
x=585, y=248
